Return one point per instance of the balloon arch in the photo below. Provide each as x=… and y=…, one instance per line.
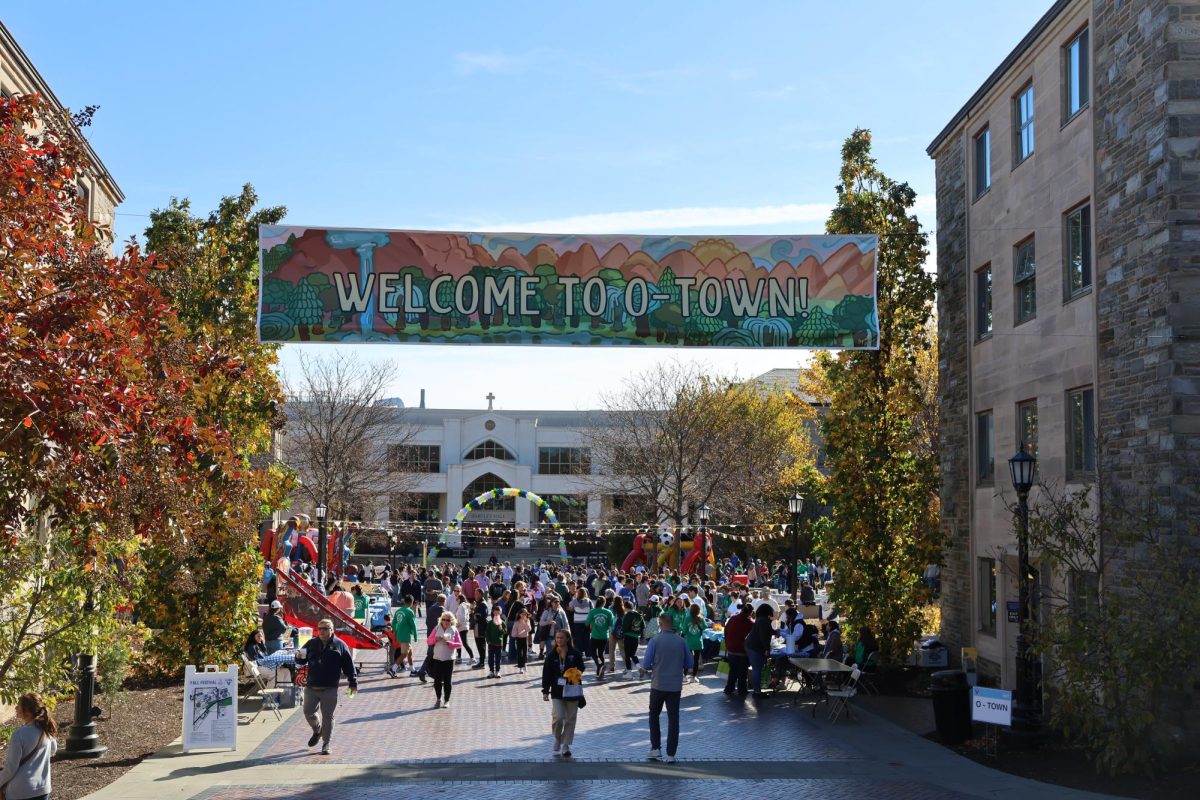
x=495, y=494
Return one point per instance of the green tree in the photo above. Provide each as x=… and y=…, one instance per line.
x=883, y=479
x=201, y=579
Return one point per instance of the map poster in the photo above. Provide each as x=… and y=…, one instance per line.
x=209, y=709
x=371, y=286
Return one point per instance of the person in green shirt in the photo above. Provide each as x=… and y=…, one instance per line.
x=693, y=632
x=679, y=614
x=599, y=622
x=404, y=628
x=495, y=633
x=360, y=602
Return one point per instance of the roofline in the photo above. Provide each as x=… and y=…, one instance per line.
x=1038, y=28
x=44, y=89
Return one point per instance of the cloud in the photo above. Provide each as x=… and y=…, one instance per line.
x=778, y=93
x=495, y=62
x=808, y=214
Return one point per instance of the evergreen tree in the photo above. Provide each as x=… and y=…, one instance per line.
x=883, y=482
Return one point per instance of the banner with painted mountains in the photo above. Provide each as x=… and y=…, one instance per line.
x=347, y=285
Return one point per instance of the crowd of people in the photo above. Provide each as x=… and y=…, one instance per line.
x=501, y=616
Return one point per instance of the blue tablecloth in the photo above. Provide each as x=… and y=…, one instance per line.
x=376, y=611
x=714, y=636
x=278, y=658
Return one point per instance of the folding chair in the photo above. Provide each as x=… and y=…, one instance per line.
x=870, y=667
x=840, y=697
x=268, y=697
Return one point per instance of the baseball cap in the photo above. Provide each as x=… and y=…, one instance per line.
x=276, y=604
x=654, y=598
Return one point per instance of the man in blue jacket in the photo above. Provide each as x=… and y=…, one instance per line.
x=669, y=657
x=328, y=659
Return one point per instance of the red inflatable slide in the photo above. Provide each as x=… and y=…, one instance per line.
x=304, y=606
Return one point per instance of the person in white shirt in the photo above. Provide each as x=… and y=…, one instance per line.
x=507, y=573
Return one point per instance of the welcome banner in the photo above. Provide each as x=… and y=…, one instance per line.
x=357, y=286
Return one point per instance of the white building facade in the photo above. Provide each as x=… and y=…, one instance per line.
x=452, y=455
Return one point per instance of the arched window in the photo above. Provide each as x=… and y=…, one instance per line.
x=485, y=483
x=490, y=449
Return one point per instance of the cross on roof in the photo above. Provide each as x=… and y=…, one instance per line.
x=490, y=398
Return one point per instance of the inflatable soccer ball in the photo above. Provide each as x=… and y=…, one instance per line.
x=666, y=538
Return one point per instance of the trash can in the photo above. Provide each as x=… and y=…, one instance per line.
x=951, y=705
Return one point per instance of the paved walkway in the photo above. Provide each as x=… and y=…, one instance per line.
x=389, y=742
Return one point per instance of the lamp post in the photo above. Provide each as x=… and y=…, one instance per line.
x=320, y=512
x=82, y=739
x=1026, y=708
x=795, y=505
x=702, y=515
x=392, y=552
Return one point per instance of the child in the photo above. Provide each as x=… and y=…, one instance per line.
x=494, y=634
x=520, y=633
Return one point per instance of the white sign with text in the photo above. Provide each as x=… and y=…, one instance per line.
x=209, y=708
x=991, y=705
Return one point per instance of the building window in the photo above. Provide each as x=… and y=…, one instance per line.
x=1078, y=250
x=571, y=509
x=1081, y=431
x=1027, y=427
x=564, y=461
x=1023, y=117
x=985, y=447
x=1025, y=281
x=987, y=596
x=983, y=161
x=983, y=302
x=1077, y=73
x=485, y=483
x=489, y=449
x=415, y=457
x=415, y=507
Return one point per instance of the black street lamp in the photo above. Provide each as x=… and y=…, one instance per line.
x=321, y=510
x=1026, y=707
x=392, y=552
x=82, y=739
x=795, y=505
x=702, y=514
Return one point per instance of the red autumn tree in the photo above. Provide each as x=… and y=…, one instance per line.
x=100, y=448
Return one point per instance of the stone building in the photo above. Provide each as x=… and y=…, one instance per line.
x=99, y=191
x=1069, y=289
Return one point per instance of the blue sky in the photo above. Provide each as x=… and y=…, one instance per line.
x=615, y=117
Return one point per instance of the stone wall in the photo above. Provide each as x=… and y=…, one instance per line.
x=954, y=343
x=1147, y=132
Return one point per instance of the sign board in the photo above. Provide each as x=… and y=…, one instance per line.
x=364, y=286
x=991, y=705
x=1013, y=607
x=209, y=709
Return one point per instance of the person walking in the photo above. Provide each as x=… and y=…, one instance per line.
x=444, y=642
x=693, y=634
x=758, y=645
x=736, y=631
x=563, y=668
x=494, y=634
x=404, y=628
x=599, y=622
x=462, y=618
x=632, y=627
x=480, y=613
x=520, y=633
x=26, y=773
x=328, y=659
x=553, y=619
x=433, y=612
x=669, y=658
x=579, y=607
